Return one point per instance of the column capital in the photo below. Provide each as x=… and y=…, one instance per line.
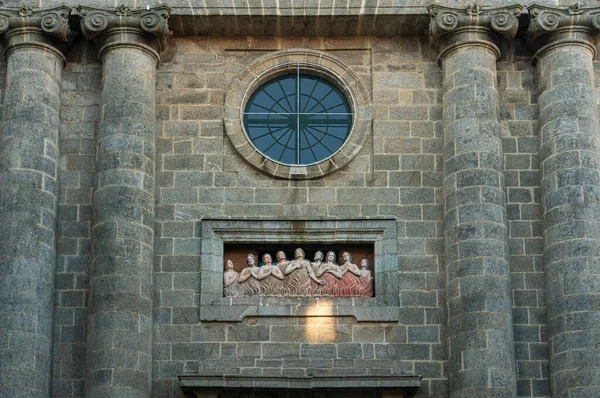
x=552, y=27
x=454, y=27
x=26, y=26
x=146, y=29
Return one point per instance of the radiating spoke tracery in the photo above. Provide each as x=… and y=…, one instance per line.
x=298, y=118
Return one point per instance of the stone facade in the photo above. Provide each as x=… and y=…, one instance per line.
x=474, y=169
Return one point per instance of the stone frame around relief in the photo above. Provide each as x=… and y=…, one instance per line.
x=383, y=307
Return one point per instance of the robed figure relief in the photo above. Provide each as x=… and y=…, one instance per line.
x=299, y=277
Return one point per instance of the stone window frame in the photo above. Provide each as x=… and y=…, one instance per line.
x=383, y=307
x=268, y=66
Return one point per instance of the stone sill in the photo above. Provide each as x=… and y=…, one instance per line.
x=408, y=384
x=360, y=313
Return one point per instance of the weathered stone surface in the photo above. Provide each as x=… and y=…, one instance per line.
x=398, y=172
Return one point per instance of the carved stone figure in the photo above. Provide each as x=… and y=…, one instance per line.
x=317, y=260
x=322, y=277
x=365, y=284
x=348, y=266
x=365, y=272
x=271, y=277
x=230, y=280
x=330, y=267
x=299, y=274
x=350, y=277
x=282, y=261
x=331, y=273
x=249, y=282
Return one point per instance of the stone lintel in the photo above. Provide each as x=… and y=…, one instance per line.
x=408, y=384
x=26, y=26
x=453, y=27
x=146, y=29
x=550, y=27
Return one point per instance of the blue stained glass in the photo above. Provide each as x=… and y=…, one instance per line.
x=298, y=118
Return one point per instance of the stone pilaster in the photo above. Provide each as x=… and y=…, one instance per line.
x=119, y=327
x=33, y=41
x=480, y=336
x=570, y=188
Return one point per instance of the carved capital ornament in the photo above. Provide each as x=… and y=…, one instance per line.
x=26, y=26
x=550, y=27
x=453, y=27
x=146, y=29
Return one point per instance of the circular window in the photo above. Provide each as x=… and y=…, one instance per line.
x=297, y=114
x=298, y=118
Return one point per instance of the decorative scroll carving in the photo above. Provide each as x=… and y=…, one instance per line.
x=557, y=26
x=152, y=21
x=547, y=19
x=299, y=277
x=502, y=20
x=451, y=27
x=146, y=28
x=54, y=21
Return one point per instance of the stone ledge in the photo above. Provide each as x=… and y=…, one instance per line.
x=237, y=313
x=408, y=384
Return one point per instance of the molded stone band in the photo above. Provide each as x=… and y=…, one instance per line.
x=145, y=29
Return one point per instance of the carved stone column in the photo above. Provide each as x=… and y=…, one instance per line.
x=480, y=336
x=33, y=43
x=119, y=327
x=570, y=188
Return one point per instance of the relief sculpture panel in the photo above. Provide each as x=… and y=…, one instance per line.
x=299, y=276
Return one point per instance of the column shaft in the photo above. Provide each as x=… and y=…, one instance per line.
x=119, y=327
x=478, y=295
x=570, y=187
x=480, y=335
x=28, y=204
x=120, y=321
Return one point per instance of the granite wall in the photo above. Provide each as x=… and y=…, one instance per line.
x=545, y=187
x=398, y=173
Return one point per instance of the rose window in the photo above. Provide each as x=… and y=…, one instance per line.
x=298, y=117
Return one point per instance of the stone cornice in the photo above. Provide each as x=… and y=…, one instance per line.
x=452, y=27
x=550, y=27
x=146, y=29
x=26, y=26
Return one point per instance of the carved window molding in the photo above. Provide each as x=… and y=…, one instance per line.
x=270, y=66
x=380, y=232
